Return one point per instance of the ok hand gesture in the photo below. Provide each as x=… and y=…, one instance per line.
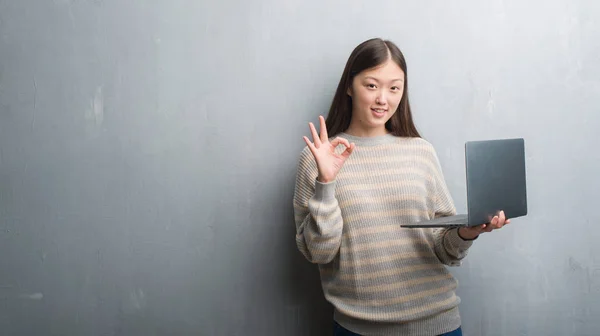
x=328, y=161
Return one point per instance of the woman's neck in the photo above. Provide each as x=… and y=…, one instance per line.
x=366, y=133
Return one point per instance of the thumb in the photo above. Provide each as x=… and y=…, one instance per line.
x=348, y=151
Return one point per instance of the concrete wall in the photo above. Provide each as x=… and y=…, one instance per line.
x=148, y=152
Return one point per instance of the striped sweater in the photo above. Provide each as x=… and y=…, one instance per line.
x=381, y=279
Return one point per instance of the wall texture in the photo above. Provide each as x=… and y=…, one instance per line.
x=148, y=153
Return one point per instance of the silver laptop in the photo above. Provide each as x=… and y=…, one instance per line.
x=496, y=181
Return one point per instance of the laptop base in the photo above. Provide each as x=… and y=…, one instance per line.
x=447, y=221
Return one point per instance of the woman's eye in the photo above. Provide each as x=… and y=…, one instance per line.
x=395, y=88
x=371, y=86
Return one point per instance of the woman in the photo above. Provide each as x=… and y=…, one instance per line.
x=364, y=174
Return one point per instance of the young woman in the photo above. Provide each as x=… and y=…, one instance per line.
x=366, y=172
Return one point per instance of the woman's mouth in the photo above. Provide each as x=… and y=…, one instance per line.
x=379, y=113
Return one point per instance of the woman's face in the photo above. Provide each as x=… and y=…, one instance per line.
x=376, y=94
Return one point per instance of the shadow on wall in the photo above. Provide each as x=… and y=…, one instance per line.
x=313, y=314
x=307, y=311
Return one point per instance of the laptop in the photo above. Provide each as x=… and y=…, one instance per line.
x=495, y=171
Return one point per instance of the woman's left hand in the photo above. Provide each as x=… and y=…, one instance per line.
x=473, y=232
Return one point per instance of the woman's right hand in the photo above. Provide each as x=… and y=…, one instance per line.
x=328, y=161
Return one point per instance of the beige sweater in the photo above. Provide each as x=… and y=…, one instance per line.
x=382, y=279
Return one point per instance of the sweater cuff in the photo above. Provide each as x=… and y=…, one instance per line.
x=325, y=191
x=456, y=240
x=465, y=239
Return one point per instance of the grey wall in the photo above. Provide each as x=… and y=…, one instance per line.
x=148, y=152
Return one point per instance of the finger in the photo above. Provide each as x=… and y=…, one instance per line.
x=348, y=151
x=323, y=126
x=481, y=228
x=315, y=135
x=492, y=224
x=496, y=224
x=502, y=219
x=339, y=140
x=507, y=222
x=310, y=146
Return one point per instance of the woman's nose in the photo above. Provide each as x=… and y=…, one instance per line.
x=380, y=98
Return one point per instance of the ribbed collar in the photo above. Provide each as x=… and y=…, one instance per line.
x=369, y=141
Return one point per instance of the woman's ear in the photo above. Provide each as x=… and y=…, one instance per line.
x=349, y=91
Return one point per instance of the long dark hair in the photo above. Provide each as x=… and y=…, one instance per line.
x=367, y=55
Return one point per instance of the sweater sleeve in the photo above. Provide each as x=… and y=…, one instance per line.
x=316, y=212
x=450, y=248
